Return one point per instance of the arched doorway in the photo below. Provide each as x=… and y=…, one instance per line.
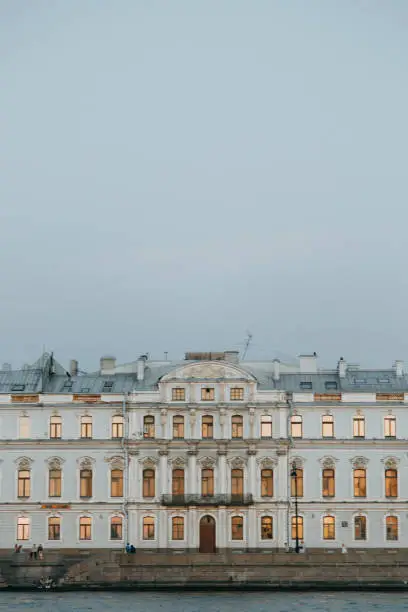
x=207, y=534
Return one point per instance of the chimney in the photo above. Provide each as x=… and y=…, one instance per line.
x=308, y=364
x=141, y=363
x=399, y=368
x=6, y=367
x=231, y=356
x=342, y=367
x=73, y=367
x=108, y=365
x=276, y=369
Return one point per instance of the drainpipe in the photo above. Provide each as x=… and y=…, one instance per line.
x=126, y=469
x=290, y=445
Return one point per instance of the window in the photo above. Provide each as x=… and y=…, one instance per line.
x=207, y=394
x=148, y=483
x=117, y=426
x=54, y=483
x=178, y=427
x=391, y=483
x=328, y=483
x=116, y=528
x=327, y=426
x=266, y=528
x=24, y=427
x=297, y=528
x=85, y=478
x=329, y=528
x=207, y=427
x=55, y=427
x=85, y=528
x=237, y=483
x=330, y=385
x=116, y=483
x=237, y=528
x=236, y=393
x=148, y=427
x=306, y=386
x=148, y=528
x=178, y=395
x=266, y=483
x=360, y=483
x=177, y=528
x=24, y=483
x=391, y=527
x=390, y=426
x=296, y=483
x=266, y=427
x=360, y=528
x=237, y=426
x=86, y=427
x=296, y=426
x=207, y=483
x=358, y=427
x=108, y=386
x=23, y=528
x=177, y=485
x=54, y=528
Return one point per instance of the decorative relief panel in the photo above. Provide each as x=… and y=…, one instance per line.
x=207, y=462
x=359, y=462
x=237, y=462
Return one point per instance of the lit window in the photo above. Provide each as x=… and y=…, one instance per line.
x=237, y=426
x=116, y=483
x=358, y=427
x=266, y=528
x=177, y=482
x=237, y=528
x=117, y=426
x=266, y=426
x=85, y=528
x=207, y=427
x=55, y=427
x=54, y=483
x=327, y=426
x=207, y=394
x=391, y=483
x=390, y=426
x=178, y=394
x=116, y=528
x=360, y=483
x=360, y=528
x=54, y=528
x=329, y=528
x=266, y=483
x=24, y=427
x=391, y=525
x=178, y=427
x=86, y=427
x=207, y=483
x=148, y=528
x=297, y=528
x=24, y=483
x=296, y=483
x=296, y=426
x=148, y=483
x=236, y=393
x=177, y=528
x=237, y=483
x=85, y=479
x=23, y=528
x=148, y=427
x=328, y=483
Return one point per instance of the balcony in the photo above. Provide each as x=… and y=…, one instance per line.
x=207, y=500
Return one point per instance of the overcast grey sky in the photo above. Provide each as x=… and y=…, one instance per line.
x=174, y=173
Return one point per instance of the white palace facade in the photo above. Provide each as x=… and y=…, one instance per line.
x=208, y=453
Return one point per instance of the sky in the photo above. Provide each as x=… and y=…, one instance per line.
x=176, y=174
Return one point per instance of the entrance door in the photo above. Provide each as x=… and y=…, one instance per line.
x=207, y=534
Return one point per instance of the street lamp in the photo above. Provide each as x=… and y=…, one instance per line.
x=295, y=476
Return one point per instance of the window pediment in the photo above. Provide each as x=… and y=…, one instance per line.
x=208, y=371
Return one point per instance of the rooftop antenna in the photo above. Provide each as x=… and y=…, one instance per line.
x=246, y=345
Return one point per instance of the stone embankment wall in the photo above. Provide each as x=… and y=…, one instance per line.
x=104, y=569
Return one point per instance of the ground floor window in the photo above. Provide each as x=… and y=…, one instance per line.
x=329, y=528
x=23, y=528
x=360, y=528
x=237, y=528
x=116, y=530
x=148, y=528
x=297, y=528
x=54, y=528
x=391, y=524
x=177, y=532
x=85, y=528
x=266, y=528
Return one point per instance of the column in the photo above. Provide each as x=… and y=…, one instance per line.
x=163, y=422
x=162, y=514
x=251, y=423
x=193, y=423
x=192, y=470
x=283, y=422
x=222, y=471
x=253, y=488
x=283, y=476
x=222, y=528
x=223, y=425
x=252, y=529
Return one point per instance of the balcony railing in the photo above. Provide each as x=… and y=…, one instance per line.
x=207, y=500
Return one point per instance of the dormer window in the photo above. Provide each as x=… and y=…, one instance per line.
x=178, y=394
x=207, y=394
x=306, y=386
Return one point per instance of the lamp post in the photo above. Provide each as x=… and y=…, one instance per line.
x=294, y=476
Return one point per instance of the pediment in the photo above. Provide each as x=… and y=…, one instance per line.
x=208, y=371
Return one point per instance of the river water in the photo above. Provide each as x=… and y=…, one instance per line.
x=203, y=602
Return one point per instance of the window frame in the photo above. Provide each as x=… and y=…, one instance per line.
x=55, y=482
x=116, y=482
x=266, y=517
x=329, y=424
x=148, y=528
x=177, y=528
x=301, y=525
x=208, y=394
x=237, y=427
x=390, y=424
x=23, y=484
x=329, y=527
x=266, y=420
x=149, y=426
x=53, y=528
x=267, y=482
x=359, y=426
x=178, y=427
x=85, y=483
x=207, y=482
x=391, y=483
x=357, y=480
x=86, y=427
x=208, y=426
x=118, y=427
x=55, y=427
x=364, y=529
x=178, y=482
x=116, y=526
x=296, y=423
x=178, y=391
x=331, y=482
x=149, y=483
x=237, y=394
x=299, y=485
x=24, y=523
x=237, y=528
x=85, y=528
x=387, y=530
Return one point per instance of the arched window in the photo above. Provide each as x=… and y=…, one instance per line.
x=360, y=528
x=177, y=528
x=24, y=483
x=23, y=528
x=149, y=483
x=86, y=427
x=54, y=482
x=329, y=528
x=148, y=528
x=237, y=426
x=267, y=483
x=117, y=426
x=85, y=528
x=237, y=528
x=266, y=528
x=391, y=525
x=327, y=426
x=297, y=527
x=207, y=482
x=85, y=479
x=207, y=427
x=328, y=483
x=177, y=483
x=54, y=528
x=237, y=483
x=296, y=427
x=358, y=426
x=266, y=426
x=116, y=528
x=360, y=482
x=391, y=483
x=296, y=483
x=178, y=427
x=116, y=483
x=55, y=427
x=148, y=427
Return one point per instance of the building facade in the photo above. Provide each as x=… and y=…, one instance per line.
x=208, y=453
